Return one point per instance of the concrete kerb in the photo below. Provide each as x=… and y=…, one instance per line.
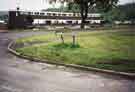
x=122, y=74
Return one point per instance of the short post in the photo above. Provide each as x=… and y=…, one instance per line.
x=62, y=38
x=74, y=38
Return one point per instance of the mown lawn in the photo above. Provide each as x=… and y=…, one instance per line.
x=103, y=49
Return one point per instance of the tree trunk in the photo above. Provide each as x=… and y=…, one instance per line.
x=82, y=23
x=84, y=13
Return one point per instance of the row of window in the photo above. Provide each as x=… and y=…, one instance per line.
x=58, y=14
x=39, y=21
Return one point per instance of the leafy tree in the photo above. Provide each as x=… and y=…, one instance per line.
x=85, y=5
x=120, y=13
x=113, y=14
x=128, y=10
x=75, y=8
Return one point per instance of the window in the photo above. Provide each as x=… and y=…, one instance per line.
x=48, y=22
x=48, y=14
x=69, y=22
x=42, y=14
x=36, y=13
x=70, y=15
x=73, y=14
x=63, y=14
x=54, y=14
x=29, y=13
x=78, y=15
x=59, y=14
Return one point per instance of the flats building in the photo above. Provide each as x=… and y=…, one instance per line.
x=24, y=19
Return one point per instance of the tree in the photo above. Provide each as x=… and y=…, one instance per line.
x=114, y=14
x=73, y=7
x=129, y=11
x=85, y=5
x=120, y=13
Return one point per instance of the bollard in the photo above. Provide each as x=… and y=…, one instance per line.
x=62, y=38
x=74, y=38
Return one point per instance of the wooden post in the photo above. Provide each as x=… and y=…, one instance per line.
x=74, y=38
x=62, y=38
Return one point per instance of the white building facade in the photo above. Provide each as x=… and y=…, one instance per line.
x=66, y=18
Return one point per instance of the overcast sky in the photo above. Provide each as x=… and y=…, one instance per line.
x=33, y=4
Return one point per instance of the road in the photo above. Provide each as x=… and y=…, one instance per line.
x=20, y=75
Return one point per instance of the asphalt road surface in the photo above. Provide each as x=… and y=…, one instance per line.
x=20, y=75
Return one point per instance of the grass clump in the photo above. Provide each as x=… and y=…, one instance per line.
x=66, y=45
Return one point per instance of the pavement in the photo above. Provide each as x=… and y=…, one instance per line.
x=20, y=75
x=3, y=30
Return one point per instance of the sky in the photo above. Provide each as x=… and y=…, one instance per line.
x=34, y=4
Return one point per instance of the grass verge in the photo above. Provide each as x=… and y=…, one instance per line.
x=105, y=50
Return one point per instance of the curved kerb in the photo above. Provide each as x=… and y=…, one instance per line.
x=122, y=74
